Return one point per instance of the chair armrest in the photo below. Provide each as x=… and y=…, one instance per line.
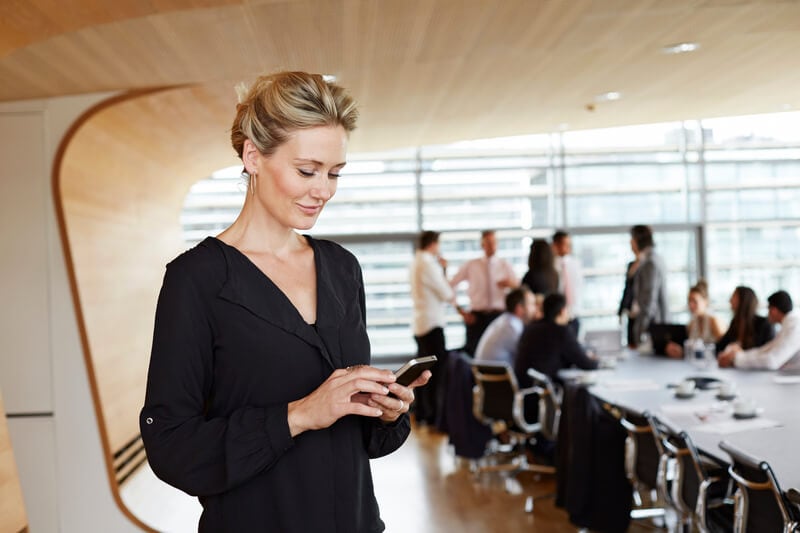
x=519, y=409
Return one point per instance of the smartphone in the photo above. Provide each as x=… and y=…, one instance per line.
x=410, y=371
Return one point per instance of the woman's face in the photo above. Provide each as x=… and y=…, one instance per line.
x=734, y=301
x=296, y=181
x=697, y=304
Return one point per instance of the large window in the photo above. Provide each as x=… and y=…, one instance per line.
x=723, y=196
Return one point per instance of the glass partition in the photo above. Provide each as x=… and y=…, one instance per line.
x=723, y=196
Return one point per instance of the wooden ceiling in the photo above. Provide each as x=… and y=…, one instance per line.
x=424, y=71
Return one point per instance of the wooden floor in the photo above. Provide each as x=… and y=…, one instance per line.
x=424, y=488
x=421, y=488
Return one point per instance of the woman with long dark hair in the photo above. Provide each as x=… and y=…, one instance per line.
x=542, y=276
x=747, y=329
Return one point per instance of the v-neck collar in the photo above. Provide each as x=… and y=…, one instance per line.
x=248, y=286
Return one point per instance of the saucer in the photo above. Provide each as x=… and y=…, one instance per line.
x=726, y=397
x=684, y=395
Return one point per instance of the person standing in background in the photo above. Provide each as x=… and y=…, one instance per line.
x=649, y=283
x=626, y=302
x=542, y=276
x=429, y=292
x=488, y=279
x=570, y=278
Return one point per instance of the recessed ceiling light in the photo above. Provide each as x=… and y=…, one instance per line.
x=610, y=96
x=680, y=48
x=330, y=78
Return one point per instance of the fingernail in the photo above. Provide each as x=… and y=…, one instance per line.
x=385, y=390
x=378, y=412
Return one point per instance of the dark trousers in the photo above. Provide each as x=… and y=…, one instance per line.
x=430, y=398
x=474, y=331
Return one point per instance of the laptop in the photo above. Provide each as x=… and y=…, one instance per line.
x=661, y=334
x=603, y=341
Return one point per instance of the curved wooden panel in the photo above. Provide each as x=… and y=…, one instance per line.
x=12, y=505
x=119, y=181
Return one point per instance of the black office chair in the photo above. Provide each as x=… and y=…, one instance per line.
x=549, y=404
x=646, y=469
x=700, y=489
x=760, y=505
x=499, y=403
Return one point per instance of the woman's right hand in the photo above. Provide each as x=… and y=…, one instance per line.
x=674, y=350
x=335, y=398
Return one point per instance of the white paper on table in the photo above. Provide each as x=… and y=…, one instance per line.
x=621, y=384
x=786, y=378
x=725, y=427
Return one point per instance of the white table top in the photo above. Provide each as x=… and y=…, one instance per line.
x=640, y=383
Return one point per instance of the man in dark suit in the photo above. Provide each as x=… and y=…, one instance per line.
x=548, y=345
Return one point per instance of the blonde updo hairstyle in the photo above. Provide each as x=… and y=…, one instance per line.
x=278, y=104
x=700, y=288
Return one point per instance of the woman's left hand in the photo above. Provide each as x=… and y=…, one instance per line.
x=394, y=407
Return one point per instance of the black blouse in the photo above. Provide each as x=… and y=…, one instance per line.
x=230, y=351
x=763, y=332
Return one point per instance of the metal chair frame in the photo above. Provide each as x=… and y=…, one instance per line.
x=519, y=429
x=741, y=499
x=657, y=506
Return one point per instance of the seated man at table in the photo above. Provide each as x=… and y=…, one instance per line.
x=548, y=345
x=500, y=340
x=776, y=352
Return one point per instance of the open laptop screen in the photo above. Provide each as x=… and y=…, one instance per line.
x=661, y=334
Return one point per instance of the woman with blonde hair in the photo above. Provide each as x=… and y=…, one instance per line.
x=703, y=326
x=260, y=398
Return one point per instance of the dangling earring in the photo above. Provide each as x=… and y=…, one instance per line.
x=253, y=184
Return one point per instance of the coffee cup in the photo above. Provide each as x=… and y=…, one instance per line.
x=727, y=388
x=744, y=407
x=686, y=387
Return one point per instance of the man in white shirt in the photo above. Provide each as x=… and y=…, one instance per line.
x=499, y=341
x=488, y=277
x=430, y=291
x=570, y=278
x=778, y=351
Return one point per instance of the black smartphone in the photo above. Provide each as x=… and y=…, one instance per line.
x=410, y=371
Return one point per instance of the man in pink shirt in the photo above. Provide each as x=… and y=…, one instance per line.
x=488, y=278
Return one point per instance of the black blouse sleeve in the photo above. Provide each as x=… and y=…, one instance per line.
x=764, y=331
x=379, y=438
x=185, y=448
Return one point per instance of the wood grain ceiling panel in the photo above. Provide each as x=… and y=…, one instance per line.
x=430, y=71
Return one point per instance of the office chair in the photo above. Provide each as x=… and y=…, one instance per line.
x=499, y=403
x=549, y=404
x=646, y=469
x=700, y=491
x=759, y=503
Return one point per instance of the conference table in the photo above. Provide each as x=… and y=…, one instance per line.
x=642, y=383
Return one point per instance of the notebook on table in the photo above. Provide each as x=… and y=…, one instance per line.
x=662, y=334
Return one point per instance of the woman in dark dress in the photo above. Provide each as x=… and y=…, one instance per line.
x=747, y=329
x=260, y=398
x=542, y=276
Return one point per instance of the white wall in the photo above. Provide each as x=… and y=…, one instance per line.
x=42, y=373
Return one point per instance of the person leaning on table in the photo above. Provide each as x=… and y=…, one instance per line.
x=260, y=398
x=776, y=352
